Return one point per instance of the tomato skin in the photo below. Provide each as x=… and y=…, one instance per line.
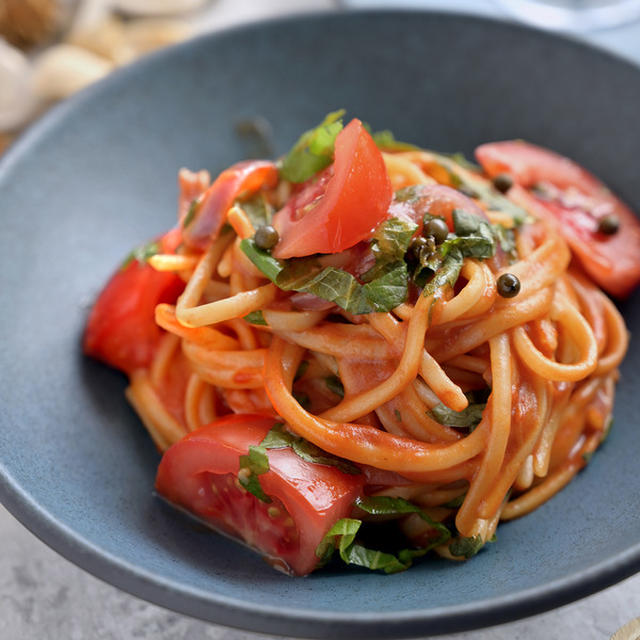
x=577, y=200
x=340, y=206
x=240, y=178
x=121, y=329
x=314, y=496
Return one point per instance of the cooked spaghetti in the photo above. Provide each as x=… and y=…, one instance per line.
x=408, y=343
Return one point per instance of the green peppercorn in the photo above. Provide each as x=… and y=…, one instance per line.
x=425, y=253
x=418, y=243
x=508, y=285
x=266, y=237
x=503, y=182
x=609, y=224
x=437, y=228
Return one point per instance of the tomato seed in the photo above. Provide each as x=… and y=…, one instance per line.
x=274, y=512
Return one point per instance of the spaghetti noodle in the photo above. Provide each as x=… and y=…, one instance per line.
x=457, y=407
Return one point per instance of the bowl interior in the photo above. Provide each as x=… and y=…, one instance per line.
x=98, y=176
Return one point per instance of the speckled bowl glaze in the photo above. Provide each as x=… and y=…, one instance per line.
x=97, y=175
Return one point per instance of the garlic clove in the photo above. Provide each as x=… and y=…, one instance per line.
x=107, y=38
x=149, y=34
x=65, y=68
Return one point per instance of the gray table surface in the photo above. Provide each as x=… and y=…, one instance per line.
x=43, y=597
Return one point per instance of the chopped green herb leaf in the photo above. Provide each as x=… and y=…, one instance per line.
x=389, y=245
x=343, y=532
x=467, y=418
x=334, y=384
x=335, y=285
x=447, y=273
x=466, y=547
x=398, y=415
x=587, y=455
x=507, y=240
x=252, y=465
x=191, y=214
x=141, y=254
x=279, y=438
x=388, y=506
x=386, y=141
x=484, y=192
x=343, y=536
x=607, y=429
x=258, y=210
x=256, y=317
x=476, y=238
x=314, y=149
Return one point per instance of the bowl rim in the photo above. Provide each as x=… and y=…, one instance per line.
x=218, y=608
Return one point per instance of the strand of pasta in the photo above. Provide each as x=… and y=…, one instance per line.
x=498, y=417
x=200, y=278
x=540, y=269
x=475, y=298
x=542, y=449
x=533, y=498
x=195, y=398
x=162, y=426
x=236, y=306
x=407, y=369
x=403, y=172
x=173, y=262
x=573, y=422
x=357, y=442
x=414, y=413
x=208, y=337
x=466, y=338
x=293, y=320
x=227, y=369
x=162, y=358
x=520, y=458
x=449, y=393
x=617, y=338
x=343, y=340
x=577, y=327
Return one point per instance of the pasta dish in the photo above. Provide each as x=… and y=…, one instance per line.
x=366, y=351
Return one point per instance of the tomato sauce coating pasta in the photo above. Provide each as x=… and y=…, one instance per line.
x=367, y=332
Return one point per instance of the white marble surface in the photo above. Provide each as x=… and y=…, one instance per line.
x=42, y=596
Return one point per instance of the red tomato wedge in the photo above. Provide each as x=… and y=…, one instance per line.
x=121, y=329
x=237, y=181
x=200, y=473
x=342, y=205
x=575, y=201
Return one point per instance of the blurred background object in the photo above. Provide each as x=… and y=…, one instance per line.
x=574, y=15
x=49, y=49
x=25, y=23
x=623, y=39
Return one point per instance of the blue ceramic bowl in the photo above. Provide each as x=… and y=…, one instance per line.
x=97, y=176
